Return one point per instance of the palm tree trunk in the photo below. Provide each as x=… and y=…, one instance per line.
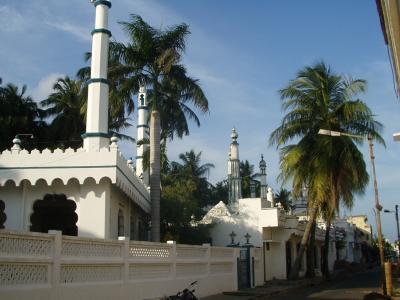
x=325, y=262
x=310, y=253
x=294, y=274
x=155, y=191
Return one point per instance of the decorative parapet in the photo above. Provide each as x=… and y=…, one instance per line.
x=69, y=164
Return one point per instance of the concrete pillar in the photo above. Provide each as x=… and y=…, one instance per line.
x=96, y=136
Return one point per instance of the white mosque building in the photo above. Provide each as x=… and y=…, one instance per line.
x=91, y=191
x=261, y=222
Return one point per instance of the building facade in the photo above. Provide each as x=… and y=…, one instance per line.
x=92, y=191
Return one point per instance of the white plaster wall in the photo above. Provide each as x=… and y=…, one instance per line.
x=94, y=211
x=92, y=201
x=12, y=197
x=119, y=201
x=246, y=221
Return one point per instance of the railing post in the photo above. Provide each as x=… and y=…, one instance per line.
x=208, y=257
x=125, y=258
x=56, y=270
x=173, y=258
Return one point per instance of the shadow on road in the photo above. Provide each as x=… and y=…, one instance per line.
x=354, y=286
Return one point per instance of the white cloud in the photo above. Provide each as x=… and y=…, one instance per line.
x=45, y=86
x=78, y=31
x=11, y=20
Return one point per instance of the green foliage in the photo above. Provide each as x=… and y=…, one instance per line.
x=66, y=107
x=220, y=192
x=248, y=177
x=185, y=192
x=332, y=168
x=153, y=57
x=19, y=114
x=284, y=197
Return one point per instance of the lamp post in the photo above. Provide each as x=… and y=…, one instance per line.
x=396, y=212
x=378, y=206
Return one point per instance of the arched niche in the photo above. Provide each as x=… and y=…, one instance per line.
x=54, y=212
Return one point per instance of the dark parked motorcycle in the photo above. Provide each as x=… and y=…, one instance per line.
x=186, y=294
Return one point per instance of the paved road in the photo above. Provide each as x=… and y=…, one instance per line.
x=347, y=287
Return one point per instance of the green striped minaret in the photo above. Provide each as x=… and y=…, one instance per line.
x=97, y=136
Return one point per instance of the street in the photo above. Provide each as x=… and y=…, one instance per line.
x=350, y=286
x=346, y=287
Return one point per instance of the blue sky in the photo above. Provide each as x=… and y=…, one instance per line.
x=243, y=52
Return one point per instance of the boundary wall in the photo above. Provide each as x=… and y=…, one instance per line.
x=52, y=266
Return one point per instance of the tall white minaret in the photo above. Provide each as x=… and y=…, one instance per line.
x=263, y=178
x=142, y=133
x=234, y=180
x=97, y=136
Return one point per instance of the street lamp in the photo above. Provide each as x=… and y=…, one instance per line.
x=397, y=222
x=378, y=206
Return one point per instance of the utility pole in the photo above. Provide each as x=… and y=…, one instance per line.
x=378, y=209
x=398, y=229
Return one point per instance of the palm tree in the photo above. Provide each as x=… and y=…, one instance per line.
x=284, y=197
x=247, y=174
x=191, y=167
x=318, y=98
x=18, y=114
x=67, y=104
x=153, y=57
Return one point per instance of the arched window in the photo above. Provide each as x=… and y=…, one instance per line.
x=121, y=231
x=3, y=216
x=54, y=212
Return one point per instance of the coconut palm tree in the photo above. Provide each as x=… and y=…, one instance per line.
x=248, y=178
x=67, y=104
x=191, y=167
x=154, y=57
x=318, y=98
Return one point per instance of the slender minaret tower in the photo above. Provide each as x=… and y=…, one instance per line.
x=234, y=180
x=96, y=136
x=142, y=133
x=263, y=178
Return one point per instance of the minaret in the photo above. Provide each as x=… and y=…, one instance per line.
x=97, y=136
x=234, y=180
x=263, y=178
x=142, y=133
